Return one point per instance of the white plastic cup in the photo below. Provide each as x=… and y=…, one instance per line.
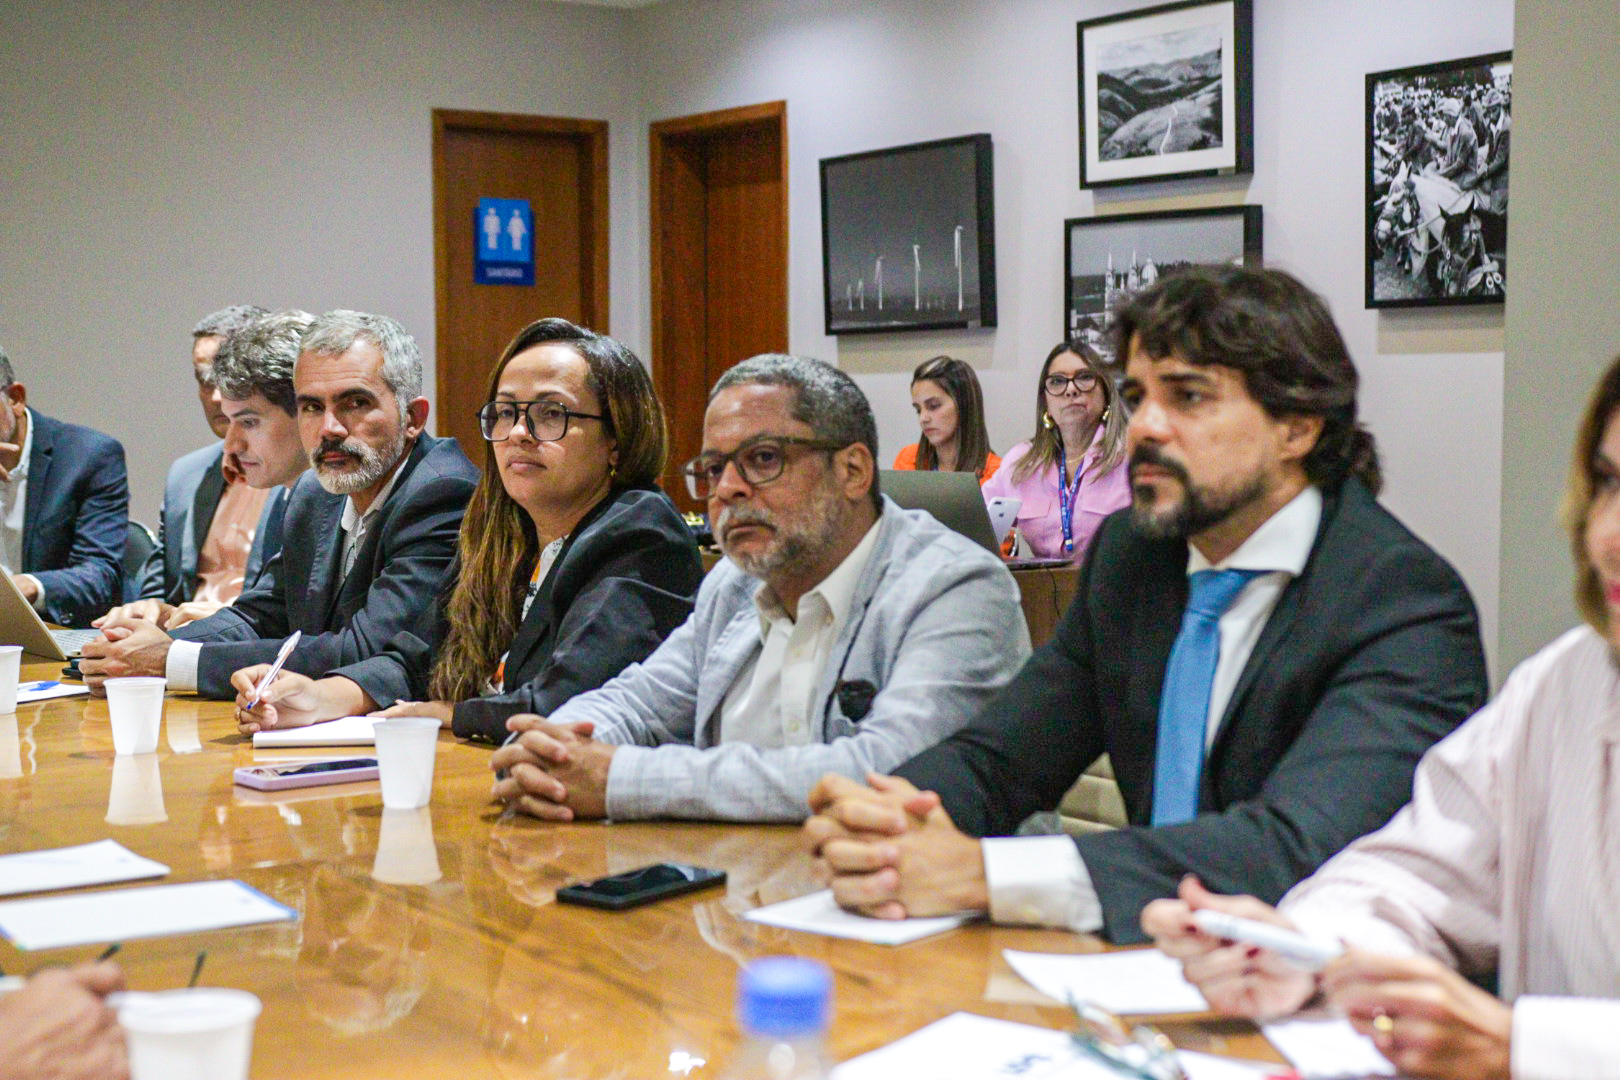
x=406, y=748
x=136, y=794
x=406, y=854
x=204, y=1033
x=10, y=672
x=136, y=708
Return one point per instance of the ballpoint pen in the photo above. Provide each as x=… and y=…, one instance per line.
x=275, y=668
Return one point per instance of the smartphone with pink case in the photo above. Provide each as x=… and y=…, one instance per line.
x=306, y=774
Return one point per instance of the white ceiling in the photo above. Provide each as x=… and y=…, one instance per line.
x=613, y=3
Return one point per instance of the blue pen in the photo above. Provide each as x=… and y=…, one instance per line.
x=35, y=687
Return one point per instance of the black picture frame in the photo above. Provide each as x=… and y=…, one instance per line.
x=1215, y=234
x=1437, y=194
x=1127, y=65
x=893, y=204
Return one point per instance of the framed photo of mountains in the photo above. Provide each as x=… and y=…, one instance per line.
x=1167, y=93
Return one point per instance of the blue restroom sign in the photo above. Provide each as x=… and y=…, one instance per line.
x=503, y=238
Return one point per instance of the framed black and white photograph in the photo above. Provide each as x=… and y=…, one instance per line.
x=1437, y=182
x=1110, y=258
x=1166, y=93
x=908, y=237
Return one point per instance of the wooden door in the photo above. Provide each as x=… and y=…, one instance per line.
x=719, y=258
x=560, y=166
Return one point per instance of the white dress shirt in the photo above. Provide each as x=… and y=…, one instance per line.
x=769, y=703
x=1508, y=858
x=1042, y=880
x=14, y=514
x=180, y=669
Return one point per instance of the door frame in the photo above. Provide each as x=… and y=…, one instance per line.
x=592, y=136
x=660, y=135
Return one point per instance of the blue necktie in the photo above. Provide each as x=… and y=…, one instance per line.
x=1184, y=700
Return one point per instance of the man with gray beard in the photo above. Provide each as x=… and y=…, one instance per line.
x=841, y=634
x=368, y=535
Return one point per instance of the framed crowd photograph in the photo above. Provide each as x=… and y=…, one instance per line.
x=1167, y=92
x=1107, y=259
x=908, y=238
x=1437, y=182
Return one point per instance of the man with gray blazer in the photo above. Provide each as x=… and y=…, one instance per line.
x=841, y=634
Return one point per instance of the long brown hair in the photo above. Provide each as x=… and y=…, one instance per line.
x=957, y=379
x=498, y=547
x=1047, y=443
x=1582, y=491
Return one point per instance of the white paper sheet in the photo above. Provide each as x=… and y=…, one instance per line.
x=817, y=913
x=54, y=922
x=1132, y=982
x=967, y=1047
x=1322, y=1048
x=100, y=863
x=45, y=689
x=347, y=731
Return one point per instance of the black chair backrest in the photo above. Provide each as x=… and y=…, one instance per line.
x=138, y=544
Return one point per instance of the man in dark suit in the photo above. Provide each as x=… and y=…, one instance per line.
x=64, y=509
x=253, y=381
x=197, y=480
x=368, y=534
x=1262, y=650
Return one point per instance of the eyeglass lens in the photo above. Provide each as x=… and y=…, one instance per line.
x=1081, y=381
x=545, y=421
x=758, y=463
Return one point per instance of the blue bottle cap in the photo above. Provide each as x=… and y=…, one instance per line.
x=784, y=997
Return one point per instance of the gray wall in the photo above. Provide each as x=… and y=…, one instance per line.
x=160, y=160
x=1564, y=299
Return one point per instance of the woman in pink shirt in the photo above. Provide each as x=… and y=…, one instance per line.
x=1071, y=475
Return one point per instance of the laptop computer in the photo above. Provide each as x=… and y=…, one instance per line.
x=953, y=497
x=21, y=625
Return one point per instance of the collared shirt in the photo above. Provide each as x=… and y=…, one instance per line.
x=1042, y=880
x=14, y=514
x=355, y=524
x=1040, y=510
x=1506, y=860
x=769, y=703
x=180, y=668
x=223, y=558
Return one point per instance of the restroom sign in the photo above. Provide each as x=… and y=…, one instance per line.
x=503, y=238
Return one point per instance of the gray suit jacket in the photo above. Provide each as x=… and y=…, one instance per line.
x=935, y=630
x=190, y=496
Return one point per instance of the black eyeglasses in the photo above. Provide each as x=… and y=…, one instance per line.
x=1082, y=381
x=546, y=421
x=759, y=461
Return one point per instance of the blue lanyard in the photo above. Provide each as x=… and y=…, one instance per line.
x=1067, y=498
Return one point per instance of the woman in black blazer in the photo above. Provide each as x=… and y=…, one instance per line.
x=571, y=566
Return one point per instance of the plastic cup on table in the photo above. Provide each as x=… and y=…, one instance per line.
x=406, y=748
x=205, y=1033
x=10, y=672
x=135, y=706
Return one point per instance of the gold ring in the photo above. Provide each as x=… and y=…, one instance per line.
x=1383, y=1023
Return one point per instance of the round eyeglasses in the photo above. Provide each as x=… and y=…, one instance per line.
x=759, y=461
x=1082, y=381
x=545, y=421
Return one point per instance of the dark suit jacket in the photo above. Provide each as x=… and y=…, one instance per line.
x=624, y=579
x=190, y=496
x=398, y=571
x=76, y=520
x=1371, y=656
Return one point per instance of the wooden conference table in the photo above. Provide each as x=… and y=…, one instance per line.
x=429, y=944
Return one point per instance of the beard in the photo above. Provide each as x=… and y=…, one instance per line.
x=373, y=464
x=1199, y=508
x=802, y=537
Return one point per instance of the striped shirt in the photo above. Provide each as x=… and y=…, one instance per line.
x=1508, y=857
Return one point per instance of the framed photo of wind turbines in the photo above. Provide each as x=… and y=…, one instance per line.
x=908, y=238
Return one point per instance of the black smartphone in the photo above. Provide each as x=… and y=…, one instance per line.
x=619, y=892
